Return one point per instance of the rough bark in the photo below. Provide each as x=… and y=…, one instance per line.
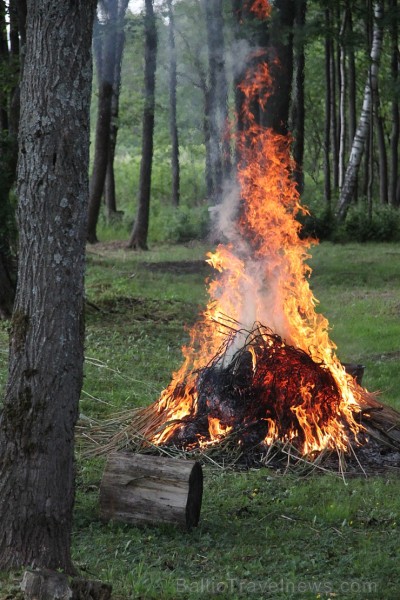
x=102, y=137
x=46, y=345
x=140, y=228
x=364, y=123
x=173, y=127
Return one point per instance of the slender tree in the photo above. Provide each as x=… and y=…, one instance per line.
x=138, y=238
x=46, y=347
x=218, y=97
x=342, y=97
x=364, y=123
x=298, y=114
x=280, y=58
x=108, y=20
x=119, y=37
x=173, y=127
x=351, y=84
x=328, y=108
x=394, y=197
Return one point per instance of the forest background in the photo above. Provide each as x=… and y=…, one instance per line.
x=329, y=47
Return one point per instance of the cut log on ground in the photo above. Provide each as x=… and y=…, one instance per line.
x=141, y=489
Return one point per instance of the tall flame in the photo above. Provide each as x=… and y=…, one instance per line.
x=262, y=276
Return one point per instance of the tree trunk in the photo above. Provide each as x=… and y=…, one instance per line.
x=119, y=40
x=298, y=99
x=280, y=61
x=394, y=135
x=140, y=228
x=333, y=111
x=238, y=72
x=342, y=98
x=347, y=191
x=351, y=84
x=218, y=98
x=328, y=108
x=102, y=137
x=173, y=128
x=46, y=347
x=382, y=153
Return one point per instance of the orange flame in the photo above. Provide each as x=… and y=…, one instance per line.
x=263, y=277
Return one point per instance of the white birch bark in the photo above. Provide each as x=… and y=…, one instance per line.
x=347, y=191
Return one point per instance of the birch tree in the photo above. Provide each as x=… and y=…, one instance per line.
x=362, y=132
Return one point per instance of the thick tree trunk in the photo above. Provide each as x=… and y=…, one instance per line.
x=102, y=138
x=140, y=228
x=173, y=127
x=364, y=123
x=46, y=350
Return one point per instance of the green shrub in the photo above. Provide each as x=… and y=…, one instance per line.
x=179, y=225
x=383, y=225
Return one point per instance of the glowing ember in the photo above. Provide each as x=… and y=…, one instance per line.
x=281, y=380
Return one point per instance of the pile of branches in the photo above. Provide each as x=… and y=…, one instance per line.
x=265, y=381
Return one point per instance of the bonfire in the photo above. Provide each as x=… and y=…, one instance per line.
x=260, y=367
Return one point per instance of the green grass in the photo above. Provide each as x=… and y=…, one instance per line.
x=262, y=534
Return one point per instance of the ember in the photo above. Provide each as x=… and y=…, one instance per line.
x=267, y=391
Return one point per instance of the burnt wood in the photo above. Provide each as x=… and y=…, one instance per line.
x=142, y=489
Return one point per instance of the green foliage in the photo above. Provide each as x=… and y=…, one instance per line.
x=382, y=225
x=179, y=225
x=188, y=222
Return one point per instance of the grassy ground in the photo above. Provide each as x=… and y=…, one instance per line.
x=262, y=534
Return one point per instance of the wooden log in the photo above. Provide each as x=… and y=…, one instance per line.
x=139, y=489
